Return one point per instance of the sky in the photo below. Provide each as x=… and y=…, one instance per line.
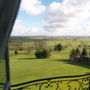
x=53, y=18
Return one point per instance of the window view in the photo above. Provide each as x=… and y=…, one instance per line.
x=50, y=38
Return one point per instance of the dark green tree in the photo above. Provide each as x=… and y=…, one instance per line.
x=77, y=52
x=89, y=53
x=58, y=47
x=20, y=48
x=42, y=53
x=84, y=52
x=72, y=53
x=15, y=52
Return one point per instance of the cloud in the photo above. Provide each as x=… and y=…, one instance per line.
x=67, y=17
x=21, y=29
x=32, y=7
x=34, y=30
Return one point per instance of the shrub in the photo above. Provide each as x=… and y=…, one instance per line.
x=89, y=53
x=16, y=52
x=77, y=52
x=58, y=47
x=84, y=52
x=72, y=53
x=79, y=45
x=42, y=53
x=21, y=49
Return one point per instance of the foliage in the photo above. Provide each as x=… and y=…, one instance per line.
x=89, y=53
x=84, y=52
x=15, y=52
x=72, y=53
x=58, y=47
x=77, y=52
x=42, y=53
x=40, y=44
x=21, y=49
x=79, y=45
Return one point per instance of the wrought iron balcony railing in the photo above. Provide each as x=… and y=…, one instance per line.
x=79, y=82
x=1, y=85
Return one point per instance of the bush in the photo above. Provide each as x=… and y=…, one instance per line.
x=84, y=52
x=58, y=47
x=20, y=48
x=77, y=52
x=72, y=53
x=42, y=53
x=16, y=52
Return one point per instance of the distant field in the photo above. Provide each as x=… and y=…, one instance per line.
x=25, y=66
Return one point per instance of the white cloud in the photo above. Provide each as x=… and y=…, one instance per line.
x=64, y=18
x=67, y=18
x=34, y=30
x=33, y=7
x=20, y=29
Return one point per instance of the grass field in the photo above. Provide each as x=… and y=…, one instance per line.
x=25, y=66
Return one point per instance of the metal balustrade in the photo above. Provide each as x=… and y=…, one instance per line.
x=78, y=82
x=1, y=86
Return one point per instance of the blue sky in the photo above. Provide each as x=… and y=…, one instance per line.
x=53, y=18
x=30, y=20
x=35, y=20
x=48, y=2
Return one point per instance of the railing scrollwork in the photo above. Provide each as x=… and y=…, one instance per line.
x=1, y=85
x=79, y=82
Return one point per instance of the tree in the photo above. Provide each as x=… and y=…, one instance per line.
x=84, y=52
x=79, y=45
x=89, y=53
x=77, y=52
x=16, y=52
x=21, y=49
x=58, y=47
x=42, y=53
x=41, y=45
x=72, y=53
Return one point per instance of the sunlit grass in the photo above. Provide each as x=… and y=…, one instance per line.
x=25, y=67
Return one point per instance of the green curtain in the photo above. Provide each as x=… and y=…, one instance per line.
x=8, y=12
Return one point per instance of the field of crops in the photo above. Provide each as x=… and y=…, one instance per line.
x=26, y=67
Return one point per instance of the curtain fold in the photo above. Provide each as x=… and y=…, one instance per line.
x=8, y=13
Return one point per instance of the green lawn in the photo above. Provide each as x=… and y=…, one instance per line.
x=25, y=67
x=2, y=71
